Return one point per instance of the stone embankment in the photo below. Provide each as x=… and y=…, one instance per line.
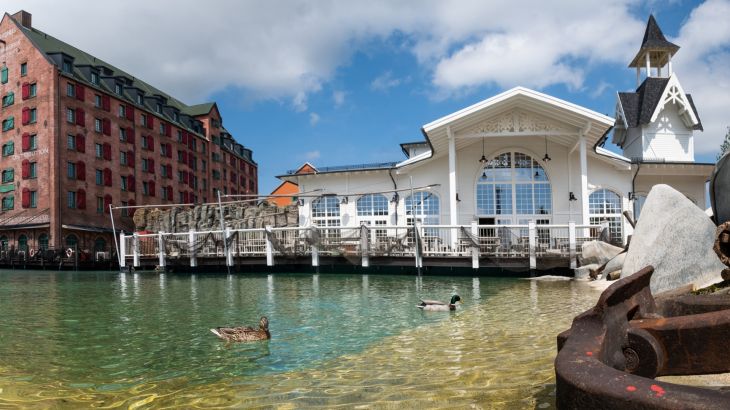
x=675, y=237
x=207, y=217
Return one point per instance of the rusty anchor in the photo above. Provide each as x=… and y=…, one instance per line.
x=610, y=356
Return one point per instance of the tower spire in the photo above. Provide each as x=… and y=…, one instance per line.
x=655, y=52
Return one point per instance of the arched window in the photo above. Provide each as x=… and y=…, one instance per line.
x=43, y=241
x=372, y=210
x=605, y=205
x=99, y=244
x=514, y=188
x=326, y=212
x=4, y=243
x=72, y=241
x=424, y=206
x=23, y=243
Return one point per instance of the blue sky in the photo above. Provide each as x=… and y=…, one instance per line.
x=338, y=83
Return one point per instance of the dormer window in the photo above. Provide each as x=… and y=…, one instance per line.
x=118, y=89
x=67, y=67
x=94, y=78
x=158, y=108
x=176, y=117
x=139, y=99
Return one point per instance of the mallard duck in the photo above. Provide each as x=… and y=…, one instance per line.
x=437, y=305
x=244, y=333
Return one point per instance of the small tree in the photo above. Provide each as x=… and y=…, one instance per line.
x=725, y=147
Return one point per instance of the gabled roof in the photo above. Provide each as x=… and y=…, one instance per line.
x=200, y=109
x=639, y=107
x=654, y=40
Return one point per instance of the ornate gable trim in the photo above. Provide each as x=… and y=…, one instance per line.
x=674, y=94
x=518, y=122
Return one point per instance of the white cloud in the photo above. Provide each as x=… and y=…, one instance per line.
x=385, y=81
x=311, y=155
x=702, y=67
x=289, y=49
x=313, y=118
x=339, y=97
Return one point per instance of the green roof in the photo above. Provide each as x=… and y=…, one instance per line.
x=51, y=45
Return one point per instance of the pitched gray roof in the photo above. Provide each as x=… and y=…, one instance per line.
x=654, y=38
x=639, y=106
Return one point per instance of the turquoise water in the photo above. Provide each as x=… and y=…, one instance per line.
x=119, y=340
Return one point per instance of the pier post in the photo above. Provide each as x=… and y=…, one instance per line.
x=571, y=244
x=135, y=250
x=161, y=249
x=475, y=247
x=122, y=250
x=532, y=232
x=229, y=252
x=269, y=247
x=191, y=249
x=315, y=250
x=364, y=241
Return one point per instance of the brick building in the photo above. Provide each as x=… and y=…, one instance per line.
x=79, y=134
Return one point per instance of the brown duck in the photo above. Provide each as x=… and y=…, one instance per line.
x=244, y=333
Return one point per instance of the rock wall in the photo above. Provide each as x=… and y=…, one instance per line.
x=207, y=217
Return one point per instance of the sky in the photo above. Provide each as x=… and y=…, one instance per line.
x=344, y=82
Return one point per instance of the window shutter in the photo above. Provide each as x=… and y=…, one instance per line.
x=130, y=112
x=107, y=177
x=130, y=183
x=81, y=199
x=190, y=141
x=130, y=159
x=191, y=159
x=107, y=151
x=151, y=185
x=26, y=140
x=130, y=135
x=79, y=92
x=151, y=143
x=169, y=171
x=152, y=165
x=80, y=119
x=185, y=138
x=25, y=198
x=168, y=130
x=107, y=202
x=4, y=73
x=185, y=177
x=169, y=193
x=106, y=104
x=26, y=91
x=169, y=150
x=150, y=121
x=131, y=211
x=184, y=159
x=106, y=126
x=80, y=143
x=81, y=171
x=25, y=169
x=25, y=118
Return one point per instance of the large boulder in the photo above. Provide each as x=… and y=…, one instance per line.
x=598, y=252
x=676, y=237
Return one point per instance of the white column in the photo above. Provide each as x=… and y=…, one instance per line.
x=475, y=248
x=583, y=180
x=122, y=250
x=669, y=63
x=161, y=249
x=364, y=240
x=571, y=244
x=453, y=213
x=532, y=233
x=638, y=75
x=135, y=249
x=269, y=247
x=648, y=65
x=229, y=251
x=191, y=249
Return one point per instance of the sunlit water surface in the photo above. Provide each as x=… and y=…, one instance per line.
x=142, y=341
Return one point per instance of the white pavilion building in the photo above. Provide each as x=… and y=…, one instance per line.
x=524, y=156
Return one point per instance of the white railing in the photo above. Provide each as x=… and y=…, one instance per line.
x=451, y=241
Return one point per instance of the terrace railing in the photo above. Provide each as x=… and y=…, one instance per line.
x=359, y=244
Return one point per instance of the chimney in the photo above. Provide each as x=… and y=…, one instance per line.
x=24, y=18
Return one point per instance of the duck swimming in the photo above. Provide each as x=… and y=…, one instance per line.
x=438, y=306
x=244, y=333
